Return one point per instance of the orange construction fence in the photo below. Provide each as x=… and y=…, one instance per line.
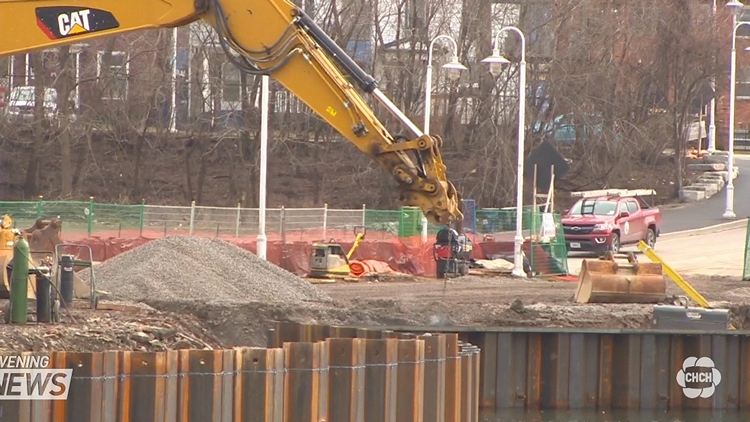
x=401, y=254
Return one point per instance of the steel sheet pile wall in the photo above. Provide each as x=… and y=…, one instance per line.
x=308, y=373
x=566, y=369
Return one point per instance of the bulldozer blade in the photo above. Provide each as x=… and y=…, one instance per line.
x=607, y=281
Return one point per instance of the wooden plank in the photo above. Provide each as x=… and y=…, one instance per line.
x=434, y=377
x=322, y=351
x=301, y=401
x=342, y=332
x=200, y=388
x=346, y=380
x=410, y=380
x=381, y=357
x=466, y=383
x=452, y=379
x=254, y=385
x=477, y=375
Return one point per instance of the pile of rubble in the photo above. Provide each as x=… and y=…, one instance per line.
x=714, y=178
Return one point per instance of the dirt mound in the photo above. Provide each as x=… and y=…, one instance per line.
x=199, y=269
x=115, y=326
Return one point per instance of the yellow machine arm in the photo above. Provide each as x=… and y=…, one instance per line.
x=272, y=37
x=357, y=241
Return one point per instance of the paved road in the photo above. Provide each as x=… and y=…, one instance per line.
x=709, y=212
x=719, y=252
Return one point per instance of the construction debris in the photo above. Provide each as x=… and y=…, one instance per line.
x=142, y=328
x=189, y=268
x=495, y=267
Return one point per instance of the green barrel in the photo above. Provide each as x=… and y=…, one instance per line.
x=19, y=283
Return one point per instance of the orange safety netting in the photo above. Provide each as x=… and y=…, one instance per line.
x=368, y=266
x=407, y=255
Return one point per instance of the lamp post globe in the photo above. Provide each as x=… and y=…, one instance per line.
x=496, y=62
x=454, y=68
x=734, y=6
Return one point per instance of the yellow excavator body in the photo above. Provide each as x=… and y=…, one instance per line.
x=609, y=281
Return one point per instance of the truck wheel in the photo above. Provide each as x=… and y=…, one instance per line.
x=651, y=237
x=615, y=246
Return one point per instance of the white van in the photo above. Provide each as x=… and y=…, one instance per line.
x=20, y=103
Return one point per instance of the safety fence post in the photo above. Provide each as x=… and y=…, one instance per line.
x=237, y=223
x=364, y=215
x=40, y=207
x=141, y=216
x=325, y=220
x=192, y=217
x=90, y=215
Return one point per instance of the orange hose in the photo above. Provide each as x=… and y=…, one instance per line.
x=368, y=266
x=357, y=268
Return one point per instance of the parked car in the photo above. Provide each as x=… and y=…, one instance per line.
x=609, y=220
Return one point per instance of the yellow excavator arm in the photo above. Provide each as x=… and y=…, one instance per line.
x=272, y=37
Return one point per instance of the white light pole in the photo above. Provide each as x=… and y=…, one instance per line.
x=735, y=7
x=173, y=112
x=712, y=108
x=77, y=49
x=453, y=69
x=262, y=241
x=496, y=61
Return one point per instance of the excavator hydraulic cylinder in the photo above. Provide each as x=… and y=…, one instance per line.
x=67, y=280
x=19, y=280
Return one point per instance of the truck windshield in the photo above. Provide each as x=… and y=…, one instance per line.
x=596, y=207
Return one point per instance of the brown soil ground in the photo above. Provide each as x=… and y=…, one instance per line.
x=471, y=301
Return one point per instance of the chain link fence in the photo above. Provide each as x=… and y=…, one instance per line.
x=98, y=219
x=544, y=247
x=544, y=239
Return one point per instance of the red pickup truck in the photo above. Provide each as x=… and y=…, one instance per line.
x=607, y=222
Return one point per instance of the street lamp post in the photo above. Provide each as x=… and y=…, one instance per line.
x=496, y=61
x=262, y=241
x=735, y=7
x=453, y=69
x=712, y=107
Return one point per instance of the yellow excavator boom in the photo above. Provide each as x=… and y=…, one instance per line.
x=272, y=37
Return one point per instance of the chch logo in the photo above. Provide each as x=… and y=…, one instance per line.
x=68, y=21
x=698, y=377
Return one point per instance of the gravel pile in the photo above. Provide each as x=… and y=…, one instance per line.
x=186, y=268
